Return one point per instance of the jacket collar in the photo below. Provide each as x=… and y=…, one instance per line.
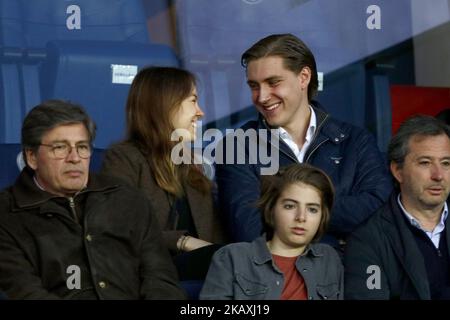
x=404, y=245
x=28, y=195
x=331, y=130
x=326, y=130
x=262, y=255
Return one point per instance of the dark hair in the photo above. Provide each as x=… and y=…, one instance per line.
x=444, y=116
x=155, y=95
x=418, y=125
x=51, y=114
x=273, y=186
x=294, y=52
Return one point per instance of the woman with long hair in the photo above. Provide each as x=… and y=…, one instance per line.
x=162, y=112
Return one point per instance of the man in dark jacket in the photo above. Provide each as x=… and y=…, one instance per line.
x=67, y=234
x=402, y=251
x=282, y=76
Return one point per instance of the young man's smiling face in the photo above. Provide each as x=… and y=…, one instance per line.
x=277, y=92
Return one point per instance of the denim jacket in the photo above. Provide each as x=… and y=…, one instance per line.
x=246, y=271
x=348, y=154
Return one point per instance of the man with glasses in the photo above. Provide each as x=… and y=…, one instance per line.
x=67, y=234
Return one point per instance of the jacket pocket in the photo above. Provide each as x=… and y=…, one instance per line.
x=250, y=288
x=328, y=292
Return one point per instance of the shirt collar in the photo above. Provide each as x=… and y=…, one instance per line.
x=414, y=221
x=37, y=183
x=309, y=132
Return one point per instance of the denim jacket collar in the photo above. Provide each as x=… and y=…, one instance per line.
x=262, y=254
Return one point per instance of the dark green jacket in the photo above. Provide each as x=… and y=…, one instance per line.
x=117, y=245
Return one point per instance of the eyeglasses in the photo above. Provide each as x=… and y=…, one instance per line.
x=62, y=150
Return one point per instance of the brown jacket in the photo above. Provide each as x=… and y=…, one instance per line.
x=126, y=161
x=117, y=248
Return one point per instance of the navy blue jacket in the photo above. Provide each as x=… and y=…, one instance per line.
x=348, y=154
x=386, y=242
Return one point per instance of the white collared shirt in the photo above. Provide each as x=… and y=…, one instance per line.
x=37, y=183
x=435, y=234
x=286, y=137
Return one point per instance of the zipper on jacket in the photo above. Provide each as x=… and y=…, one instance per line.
x=72, y=208
x=281, y=140
x=317, y=147
x=286, y=153
x=309, y=154
x=314, y=137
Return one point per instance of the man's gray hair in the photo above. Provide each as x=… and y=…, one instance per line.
x=51, y=114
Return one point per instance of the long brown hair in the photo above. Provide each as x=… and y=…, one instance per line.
x=155, y=95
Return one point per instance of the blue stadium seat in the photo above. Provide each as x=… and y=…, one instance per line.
x=9, y=168
x=83, y=72
x=31, y=24
x=192, y=288
x=66, y=50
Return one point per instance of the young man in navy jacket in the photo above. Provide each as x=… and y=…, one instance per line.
x=282, y=76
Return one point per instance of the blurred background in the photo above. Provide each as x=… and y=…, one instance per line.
x=381, y=60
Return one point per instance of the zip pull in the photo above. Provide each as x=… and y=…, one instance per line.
x=72, y=208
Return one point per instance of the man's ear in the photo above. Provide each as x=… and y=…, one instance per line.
x=30, y=158
x=396, y=171
x=304, y=77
